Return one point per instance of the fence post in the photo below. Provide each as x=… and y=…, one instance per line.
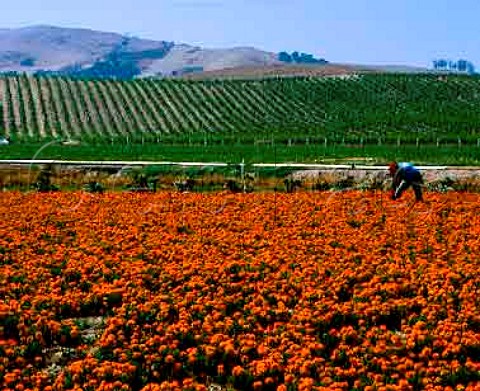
x=306, y=141
x=242, y=173
x=325, y=142
x=459, y=142
x=289, y=142
x=398, y=141
x=438, y=142
x=417, y=142
x=478, y=142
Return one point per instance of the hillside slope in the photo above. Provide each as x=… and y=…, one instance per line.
x=47, y=48
x=83, y=52
x=196, y=59
x=279, y=70
x=76, y=52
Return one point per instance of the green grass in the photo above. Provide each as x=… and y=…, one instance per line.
x=234, y=153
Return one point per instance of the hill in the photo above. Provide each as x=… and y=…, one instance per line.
x=279, y=70
x=185, y=59
x=75, y=52
x=89, y=53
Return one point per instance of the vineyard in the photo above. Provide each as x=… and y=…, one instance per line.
x=372, y=109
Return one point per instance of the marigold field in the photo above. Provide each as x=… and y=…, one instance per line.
x=305, y=291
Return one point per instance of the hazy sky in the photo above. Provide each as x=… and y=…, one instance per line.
x=357, y=31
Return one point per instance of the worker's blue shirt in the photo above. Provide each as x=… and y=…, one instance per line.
x=408, y=172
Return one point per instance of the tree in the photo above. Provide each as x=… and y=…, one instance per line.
x=300, y=58
x=470, y=68
x=284, y=57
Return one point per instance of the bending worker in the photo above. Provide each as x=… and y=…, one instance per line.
x=405, y=175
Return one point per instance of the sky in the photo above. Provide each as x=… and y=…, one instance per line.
x=408, y=32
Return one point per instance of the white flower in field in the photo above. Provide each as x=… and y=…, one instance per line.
x=401, y=335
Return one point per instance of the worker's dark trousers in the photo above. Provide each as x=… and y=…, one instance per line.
x=417, y=188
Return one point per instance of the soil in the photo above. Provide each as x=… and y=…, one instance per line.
x=57, y=357
x=456, y=174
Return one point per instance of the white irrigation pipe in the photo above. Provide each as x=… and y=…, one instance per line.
x=114, y=163
x=221, y=164
x=339, y=166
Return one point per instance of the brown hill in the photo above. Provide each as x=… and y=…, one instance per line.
x=280, y=70
x=89, y=53
x=84, y=52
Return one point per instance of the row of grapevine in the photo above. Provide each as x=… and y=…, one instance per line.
x=157, y=111
x=169, y=105
x=226, y=108
x=65, y=108
x=368, y=107
x=4, y=97
x=28, y=108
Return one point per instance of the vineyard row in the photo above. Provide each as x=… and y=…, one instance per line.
x=386, y=108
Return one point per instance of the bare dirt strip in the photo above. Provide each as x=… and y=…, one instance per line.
x=305, y=172
x=429, y=175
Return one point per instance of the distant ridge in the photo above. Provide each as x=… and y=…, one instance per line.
x=87, y=53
